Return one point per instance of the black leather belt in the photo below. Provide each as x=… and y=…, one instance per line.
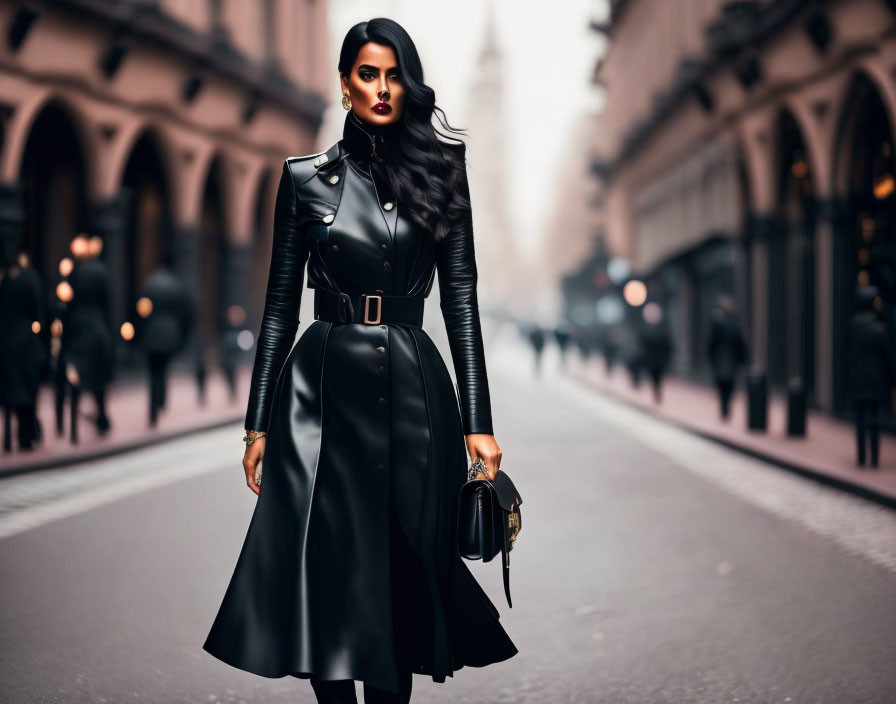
x=369, y=308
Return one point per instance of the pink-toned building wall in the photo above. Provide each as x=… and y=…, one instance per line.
x=697, y=159
x=217, y=94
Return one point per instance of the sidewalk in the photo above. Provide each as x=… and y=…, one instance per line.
x=827, y=452
x=127, y=405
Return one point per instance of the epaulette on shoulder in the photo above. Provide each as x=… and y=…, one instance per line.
x=302, y=167
x=305, y=167
x=318, y=198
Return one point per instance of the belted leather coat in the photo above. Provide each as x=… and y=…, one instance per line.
x=365, y=431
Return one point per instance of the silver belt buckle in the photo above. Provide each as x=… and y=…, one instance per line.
x=379, y=308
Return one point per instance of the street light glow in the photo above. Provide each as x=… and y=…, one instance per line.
x=635, y=292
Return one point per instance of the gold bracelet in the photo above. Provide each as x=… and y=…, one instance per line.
x=253, y=435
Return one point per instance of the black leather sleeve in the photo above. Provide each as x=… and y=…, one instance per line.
x=282, y=301
x=456, y=265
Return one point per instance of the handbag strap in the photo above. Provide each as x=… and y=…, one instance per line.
x=505, y=568
x=478, y=467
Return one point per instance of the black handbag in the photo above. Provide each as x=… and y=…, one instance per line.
x=489, y=519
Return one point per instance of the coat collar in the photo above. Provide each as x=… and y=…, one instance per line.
x=365, y=142
x=323, y=193
x=360, y=141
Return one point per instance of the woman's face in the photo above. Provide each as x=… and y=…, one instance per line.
x=375, y=85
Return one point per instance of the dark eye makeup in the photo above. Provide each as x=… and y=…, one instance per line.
x=369, y=75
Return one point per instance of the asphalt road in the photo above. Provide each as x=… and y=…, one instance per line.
x=653, y=567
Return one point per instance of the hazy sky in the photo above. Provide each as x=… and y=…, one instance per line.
x=549, y=56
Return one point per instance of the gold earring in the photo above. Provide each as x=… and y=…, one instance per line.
x=346, y=101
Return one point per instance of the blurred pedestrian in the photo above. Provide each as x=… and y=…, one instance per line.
x=655, y=342
x=535, y=335
x=57, y=306
x=870, y=370
x=163, y=327
x=88, y=343
x=231, y=352
x=628, y=349
x=609, y=346
x=201, y=364
x=726, y=351
x=22, y=350
x=584, y=339
x=562, y=336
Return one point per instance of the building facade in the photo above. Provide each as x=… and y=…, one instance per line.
x=162, y=126
x=746, y=148
x=487, y=117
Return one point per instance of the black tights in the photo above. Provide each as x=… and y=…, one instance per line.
x=343, y=691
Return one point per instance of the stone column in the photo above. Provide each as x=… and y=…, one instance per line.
x=760, y=227
x=237, y=270
x=843, y=281
x=823, y=333
x=743, y=279
x=185, y=245
x=12, y=223
x=109, y=220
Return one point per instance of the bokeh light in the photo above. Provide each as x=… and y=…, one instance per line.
x=144, y=307
x=635, y=292
x=64, y=291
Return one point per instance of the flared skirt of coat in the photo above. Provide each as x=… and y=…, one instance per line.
x=350, y=568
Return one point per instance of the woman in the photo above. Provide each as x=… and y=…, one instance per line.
x=350, y=568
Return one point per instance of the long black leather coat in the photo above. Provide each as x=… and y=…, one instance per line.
x=362, y=420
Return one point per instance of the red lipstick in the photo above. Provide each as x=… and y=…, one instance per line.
x=382, y=108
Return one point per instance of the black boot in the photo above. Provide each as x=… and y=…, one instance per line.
x=334, y=691
x=374, y=695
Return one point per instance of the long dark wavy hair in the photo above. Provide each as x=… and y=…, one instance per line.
x=420, y=172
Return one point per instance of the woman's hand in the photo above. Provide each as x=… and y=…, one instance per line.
x=253, y=456
x=484, y=445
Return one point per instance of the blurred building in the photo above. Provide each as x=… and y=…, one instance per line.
x=574, y=244
x=746, y=147
x=496, y=249
x=161, y=125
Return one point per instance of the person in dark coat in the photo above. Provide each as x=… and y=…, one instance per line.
x=726, y=351
x=629, y=351
x=871, y=371
x=350, y=569
x=535, y=335
x=23, y=351
x=164, y=318
x=655, y=344
x=608, y=346
x=201, y=354
x=562, y=336
x=88, y=343
x=583, y=338
x=57, y=310
x=230, y=351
